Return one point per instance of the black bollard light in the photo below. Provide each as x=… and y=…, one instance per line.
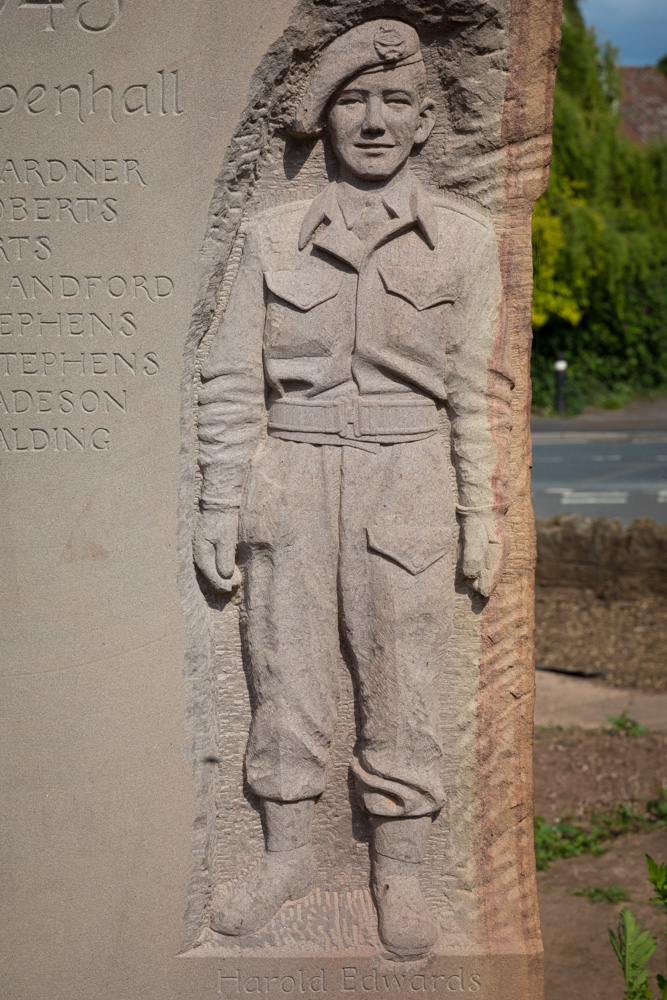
x=560, y=367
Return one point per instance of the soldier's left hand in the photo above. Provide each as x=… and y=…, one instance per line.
x=485, y=550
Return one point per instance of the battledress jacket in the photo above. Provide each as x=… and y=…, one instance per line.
x=315, y=313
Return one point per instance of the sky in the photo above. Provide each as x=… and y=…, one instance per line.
x=637, y=28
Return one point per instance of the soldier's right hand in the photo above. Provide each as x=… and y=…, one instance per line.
x=214, y=548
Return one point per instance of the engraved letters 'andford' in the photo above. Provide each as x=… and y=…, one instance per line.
x=356, y=318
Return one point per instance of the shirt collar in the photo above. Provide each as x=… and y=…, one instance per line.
x=406, y=201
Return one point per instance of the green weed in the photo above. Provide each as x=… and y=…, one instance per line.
x=657, y=876
x=657, y=808
x=623, y=724
x=634, y=947
x=570, y=837
x=614, y=894
x=565, y=839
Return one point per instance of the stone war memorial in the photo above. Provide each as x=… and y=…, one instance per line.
x=267, y=543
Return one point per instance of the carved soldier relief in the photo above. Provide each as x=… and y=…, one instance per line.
x=353, y=418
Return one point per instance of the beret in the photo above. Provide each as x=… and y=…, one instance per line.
x=371, y=45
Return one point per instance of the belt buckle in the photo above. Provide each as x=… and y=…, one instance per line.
x=363, y=427
x=347, y=418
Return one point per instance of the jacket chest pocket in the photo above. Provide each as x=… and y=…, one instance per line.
x=299, y=312
x=418, y=287
x=418, y=310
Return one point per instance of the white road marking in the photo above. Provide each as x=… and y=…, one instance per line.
x=592, y=496
x=610, y=497
x=662, y=496
x=606, y=458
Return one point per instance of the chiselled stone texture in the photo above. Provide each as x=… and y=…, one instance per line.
x=490, y=69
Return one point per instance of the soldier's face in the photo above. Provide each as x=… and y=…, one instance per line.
x=377, y=118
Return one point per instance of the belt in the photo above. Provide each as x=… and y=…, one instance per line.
x=358, y=419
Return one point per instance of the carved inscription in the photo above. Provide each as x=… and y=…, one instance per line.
x=72, y=345
x=349, y=979
x=84, y=18
x=353, y=980
x=45, y=5
x=158, y=96
x=75, y=191
x=93, y=16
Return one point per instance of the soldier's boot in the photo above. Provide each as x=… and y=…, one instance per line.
x=405, y=922
x=286, y=871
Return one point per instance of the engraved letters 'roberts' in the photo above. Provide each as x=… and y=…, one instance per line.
x=345, y=445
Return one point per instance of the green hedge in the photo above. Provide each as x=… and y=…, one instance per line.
x=599, y=240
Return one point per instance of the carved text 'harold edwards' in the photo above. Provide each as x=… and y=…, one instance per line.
x=349, y=979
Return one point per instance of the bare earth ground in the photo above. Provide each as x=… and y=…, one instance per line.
x=577, y=771
x=583, y=770
x=576, y=630
x=580, y=964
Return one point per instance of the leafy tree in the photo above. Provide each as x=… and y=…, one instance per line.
x=599, y=239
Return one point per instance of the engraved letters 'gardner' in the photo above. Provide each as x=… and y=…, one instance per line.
x=354, y=359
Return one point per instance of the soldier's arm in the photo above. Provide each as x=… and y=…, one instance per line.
x=230, y=418
x=479, y=386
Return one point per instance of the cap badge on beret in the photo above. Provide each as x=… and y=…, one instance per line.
x=389, y=45
x=373, y=45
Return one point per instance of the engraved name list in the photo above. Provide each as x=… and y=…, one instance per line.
x=75, y=341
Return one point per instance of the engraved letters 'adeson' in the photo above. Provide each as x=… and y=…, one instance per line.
x=356, y=364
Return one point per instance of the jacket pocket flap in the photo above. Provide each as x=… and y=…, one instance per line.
x=420, y=289
x=414, y=547
x=303, y=289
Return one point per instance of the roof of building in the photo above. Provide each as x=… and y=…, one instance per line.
x=644, y=103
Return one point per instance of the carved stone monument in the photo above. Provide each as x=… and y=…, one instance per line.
x=269, y=652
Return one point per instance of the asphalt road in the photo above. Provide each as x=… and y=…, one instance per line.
x=621, y=475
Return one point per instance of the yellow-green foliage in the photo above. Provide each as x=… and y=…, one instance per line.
x=600, y=239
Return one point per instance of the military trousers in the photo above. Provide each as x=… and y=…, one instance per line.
x=341, y=544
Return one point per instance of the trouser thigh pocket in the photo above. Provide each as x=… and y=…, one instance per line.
x=414, y=547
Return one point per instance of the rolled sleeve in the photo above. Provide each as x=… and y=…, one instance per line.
x=479, y=384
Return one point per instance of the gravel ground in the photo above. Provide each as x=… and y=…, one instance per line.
x=577, y=631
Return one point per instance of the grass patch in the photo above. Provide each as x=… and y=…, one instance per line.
x=613, y=894
x=569, y=837
x=623, y=724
